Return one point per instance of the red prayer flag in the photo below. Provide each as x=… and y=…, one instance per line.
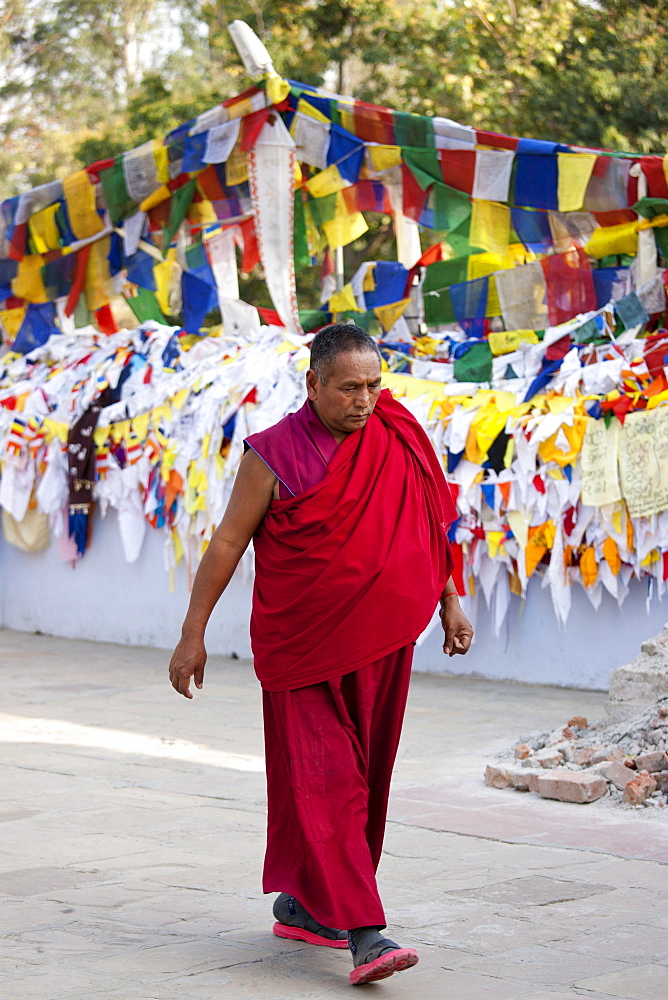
x=413, y=195
x=251, y=254
x=373, y=124
x=458, y=168
x=251, y=126
x=105, y=320
x=652, y=167
x=570, y=286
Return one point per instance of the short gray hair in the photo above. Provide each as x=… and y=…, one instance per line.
x=335, y=339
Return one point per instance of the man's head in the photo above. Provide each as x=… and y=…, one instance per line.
x=343, y=382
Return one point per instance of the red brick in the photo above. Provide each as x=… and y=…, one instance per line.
x=661, y=778
x=524, y=780
x=639, y=788
x=584, y=755
x=549, y=757
x=655, y=761
x=571, y=786
x=522, y=751
x=497, y=777
x=578, y=722
x=617, y=773
x=559, y=735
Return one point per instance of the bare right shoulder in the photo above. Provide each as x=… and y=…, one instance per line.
x=254, y=475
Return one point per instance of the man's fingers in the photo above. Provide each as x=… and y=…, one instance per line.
x=462, y=643
x=199, y=676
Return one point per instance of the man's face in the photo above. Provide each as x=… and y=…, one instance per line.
x=346, y=400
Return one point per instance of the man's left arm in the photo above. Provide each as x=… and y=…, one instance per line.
x=458, y=629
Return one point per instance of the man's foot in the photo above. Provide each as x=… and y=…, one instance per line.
x=376, y=957
x=296, y=923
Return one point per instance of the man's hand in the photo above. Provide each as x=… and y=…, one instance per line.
x=457, y=627
x=187, y=661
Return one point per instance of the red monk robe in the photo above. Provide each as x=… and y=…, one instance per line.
x=350, y=564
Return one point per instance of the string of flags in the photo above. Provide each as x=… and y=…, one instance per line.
x=527, y=335
x=569, y=485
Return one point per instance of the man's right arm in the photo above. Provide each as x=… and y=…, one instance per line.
x=251, y=496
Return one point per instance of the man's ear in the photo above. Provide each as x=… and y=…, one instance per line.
x=312, y=384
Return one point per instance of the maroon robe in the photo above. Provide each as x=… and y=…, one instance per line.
x=350, y=563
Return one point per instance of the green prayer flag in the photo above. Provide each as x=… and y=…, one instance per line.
x=300, y=243
x=82, y=315
x=119, y=202
x=323, y=209
x=179, y=205
x=145, y=306
x=444, y=273
x=424, y=166
x=452, y=208
x=475, y=365
x=413, y=130
x=312, y=319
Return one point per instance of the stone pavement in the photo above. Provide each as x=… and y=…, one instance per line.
x=132, y=832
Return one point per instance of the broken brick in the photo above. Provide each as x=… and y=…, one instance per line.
x=497, y=777
x=548, y=757
x=571, y=786
x=639, y=788
x=578, y=722
x=616, y=773
x=656, y=761
x=522, y=751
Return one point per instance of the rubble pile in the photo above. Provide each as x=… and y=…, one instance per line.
x=624, y=760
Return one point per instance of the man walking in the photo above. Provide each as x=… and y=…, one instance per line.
x=348, y=509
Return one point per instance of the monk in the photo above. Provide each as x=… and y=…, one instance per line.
x=348, y=509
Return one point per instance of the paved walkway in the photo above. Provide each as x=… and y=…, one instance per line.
x=131, y=839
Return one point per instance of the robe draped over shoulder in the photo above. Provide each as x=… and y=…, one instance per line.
x=297, y=449
x=351, y=567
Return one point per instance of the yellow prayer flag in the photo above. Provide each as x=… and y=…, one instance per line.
x=202, y=213
x=388, y=315
x=384, y=157
x=164, y=274
x=305, y=108
x=621, y=239
x=155, y=198
x=55, y=429
x=161, y=157
x=11, y=320
x=507, y=341
x=347, y=120
x=28, y=283
x=344, y=229
x=495, y=540
x=80, y=200
x=369, y=282
x=99, y=286
x=482, y=265
x=326, y=182
x=241, y=108
x=344, y=301
x=490, y=225
x=236, y=166
x=276, y=89
x=574, y=173
x=43, y=229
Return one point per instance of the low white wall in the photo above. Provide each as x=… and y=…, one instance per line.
x=104, y=598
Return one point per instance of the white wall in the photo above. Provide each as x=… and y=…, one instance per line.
x=104, y=598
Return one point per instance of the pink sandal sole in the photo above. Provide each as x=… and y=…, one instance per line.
x=386, y=965
x=299, y=934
